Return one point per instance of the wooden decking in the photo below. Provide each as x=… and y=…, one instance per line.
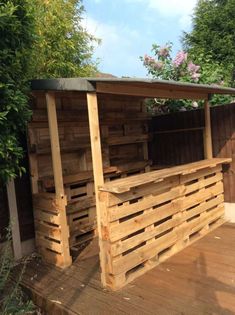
x=198, y=280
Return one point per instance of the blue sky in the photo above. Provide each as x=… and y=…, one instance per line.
x=128, y=28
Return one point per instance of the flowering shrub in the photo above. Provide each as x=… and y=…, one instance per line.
x=181, y=68
x=163, y=66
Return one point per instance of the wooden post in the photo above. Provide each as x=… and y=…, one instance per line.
x=207, y=132
x=98, y=179
x=58, y=176
x=14, y=219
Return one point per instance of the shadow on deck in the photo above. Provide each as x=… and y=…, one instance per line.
x=198, y=280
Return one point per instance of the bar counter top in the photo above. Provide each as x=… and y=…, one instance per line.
x=122, y=185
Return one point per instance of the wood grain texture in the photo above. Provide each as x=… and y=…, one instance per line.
x=154, y=219
x=198, y=280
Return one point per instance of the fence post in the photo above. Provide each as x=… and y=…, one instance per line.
x=14, y=219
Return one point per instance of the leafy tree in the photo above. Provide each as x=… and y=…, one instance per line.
x=213, y=34
x=16, y=33
x=62, y=48
x=181, y=68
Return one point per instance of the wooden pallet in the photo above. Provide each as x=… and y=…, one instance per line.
x=49, y=236
x=124, y=132
x=150, y=222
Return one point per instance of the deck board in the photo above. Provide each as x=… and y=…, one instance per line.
x=198, y=280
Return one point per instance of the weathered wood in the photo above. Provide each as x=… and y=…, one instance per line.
x=177, y=130
x=14, y=220
x=58, y=178
x=123, y=185
x=144, y=91
x=55, y=145
x=151, y=222
x=98, y=178
x=208, y=150
x=75, y=149
x=176, y=278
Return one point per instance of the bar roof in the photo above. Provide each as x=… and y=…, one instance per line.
x=132, y=87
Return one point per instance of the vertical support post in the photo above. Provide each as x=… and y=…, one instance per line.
x=58, y=176
x=207, y=132
x=101, y=211
x=15, y=228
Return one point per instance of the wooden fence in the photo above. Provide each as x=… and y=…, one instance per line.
x=24, y=203
x=4, y=213
x=178, y=139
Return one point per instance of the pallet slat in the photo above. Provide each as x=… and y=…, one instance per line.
x=151, y=222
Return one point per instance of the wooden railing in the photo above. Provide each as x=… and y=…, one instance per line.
x=149, y=217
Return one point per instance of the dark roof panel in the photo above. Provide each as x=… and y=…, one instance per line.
x=131, y=85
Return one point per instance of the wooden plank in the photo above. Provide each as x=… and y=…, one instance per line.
x=58, y=176
x=48, y=230
x=201, y=173
x=141, y=221
x=118, y=248
x=55, y=145
x=207, y=132
x=33, y=172
x=203, y=183
x=122, y=185
x=140, y=255
x=14, y=220
x=201, y=196
x=46, y=201
x=127, y=139
x=177, y=130
x=119, y=212
x=202, y=221
x=52, y=257
x=81, y=204
x=46, y=216
x=203, y=207
x=136, y=90
x=140, y=191
x=101, y=210
x=48, y=182
x=41, y=241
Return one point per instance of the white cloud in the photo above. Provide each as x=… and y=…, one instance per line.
x=181, y=9
x=116, y=46
x=173, y=7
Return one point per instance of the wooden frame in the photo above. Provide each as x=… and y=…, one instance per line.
x=66, y=200
x=207, y=132
x=14, y=219
x=101, y=213
x=65, y=259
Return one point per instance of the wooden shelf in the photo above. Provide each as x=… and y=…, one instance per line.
x=126, y=139
x=125, y=184
x=48, y=182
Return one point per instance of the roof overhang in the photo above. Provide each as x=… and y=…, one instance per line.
x=133, y=87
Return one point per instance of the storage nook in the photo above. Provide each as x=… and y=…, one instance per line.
x=91, y=175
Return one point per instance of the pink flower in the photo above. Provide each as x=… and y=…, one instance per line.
x=195, y=76
x=180, y=58
x=148, y=60
x=163, y=51
x=158, y=65
x=192, y=68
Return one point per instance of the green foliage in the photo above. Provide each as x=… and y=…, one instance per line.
x=62, y=47
x=39, y=39
x=183, y=67
x=16, y=40
x=12, y=299
x=213, y=34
